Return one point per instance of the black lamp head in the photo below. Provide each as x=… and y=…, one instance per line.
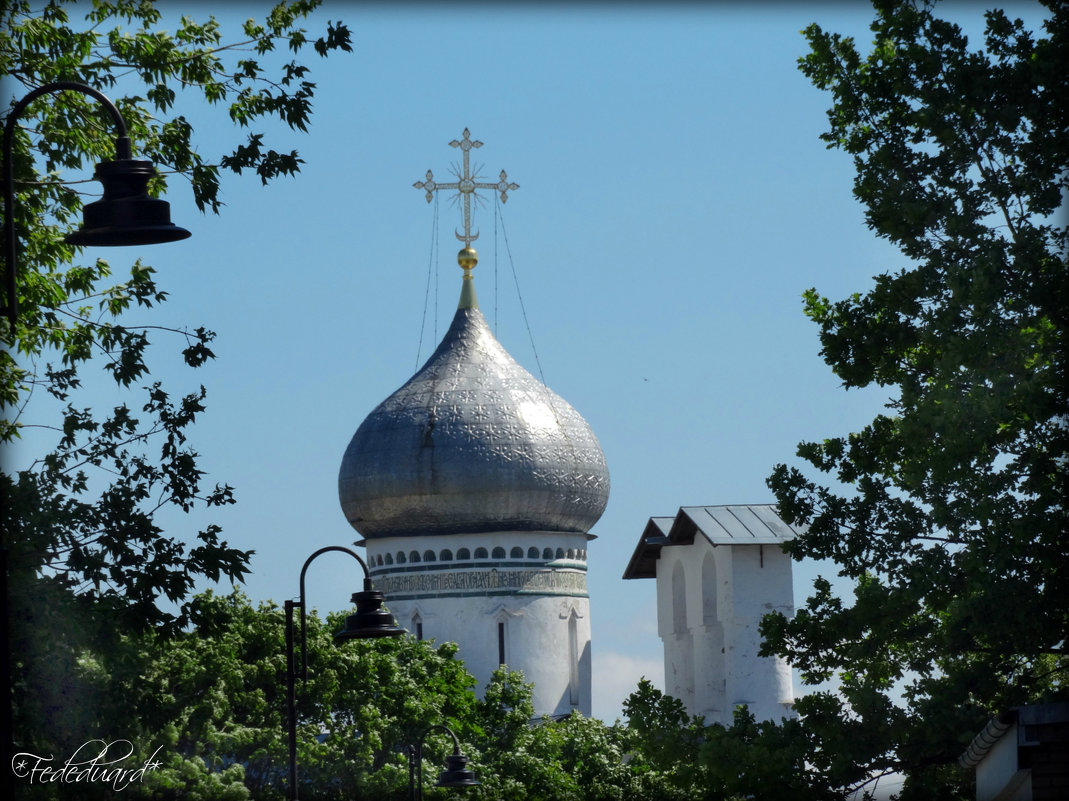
x=456, y=773
x=126, y=215
x=370, y=620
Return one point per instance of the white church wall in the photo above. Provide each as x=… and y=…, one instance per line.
x=526, y=605
x=551, y=644
x=710, y=602
x=761, y=583
x=546, y=637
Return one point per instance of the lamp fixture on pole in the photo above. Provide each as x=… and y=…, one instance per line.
x=125, y=215
x=370, y=621
x=456, y=773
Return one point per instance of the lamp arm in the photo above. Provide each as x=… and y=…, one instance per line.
x=447, y=730
x=122, y=144
x=308, y=561
x=122, y=151
x=418, y=794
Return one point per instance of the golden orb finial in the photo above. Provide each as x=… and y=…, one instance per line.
x=467, y=258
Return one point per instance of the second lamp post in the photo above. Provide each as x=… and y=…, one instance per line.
x=370, y=621
x=456, y=773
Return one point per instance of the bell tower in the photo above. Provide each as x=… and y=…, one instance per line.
x=719, y=570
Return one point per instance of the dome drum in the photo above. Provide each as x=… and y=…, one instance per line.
x=515, y=563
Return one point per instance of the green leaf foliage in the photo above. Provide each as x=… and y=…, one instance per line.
x=208, y=706
x=953, y=522
x=681, y=757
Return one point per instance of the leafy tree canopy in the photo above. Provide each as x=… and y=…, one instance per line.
x=953, y=526
x=209, y=706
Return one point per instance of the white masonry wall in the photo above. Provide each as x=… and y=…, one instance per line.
x=710, y=601
x=536, y=607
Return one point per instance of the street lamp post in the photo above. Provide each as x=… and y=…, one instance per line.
x=456, y=773
x=125, y=215
x=370, y=621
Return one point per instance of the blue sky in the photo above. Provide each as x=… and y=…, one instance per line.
x=675, y=201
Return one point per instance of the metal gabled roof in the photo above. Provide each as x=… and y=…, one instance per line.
x=735, y=524
x=643, y=562
x=732, y=525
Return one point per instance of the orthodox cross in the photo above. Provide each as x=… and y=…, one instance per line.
x=467, y=182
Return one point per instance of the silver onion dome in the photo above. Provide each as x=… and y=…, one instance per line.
x=472, y=443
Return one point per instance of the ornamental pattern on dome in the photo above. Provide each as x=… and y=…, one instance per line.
x=471, y=443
